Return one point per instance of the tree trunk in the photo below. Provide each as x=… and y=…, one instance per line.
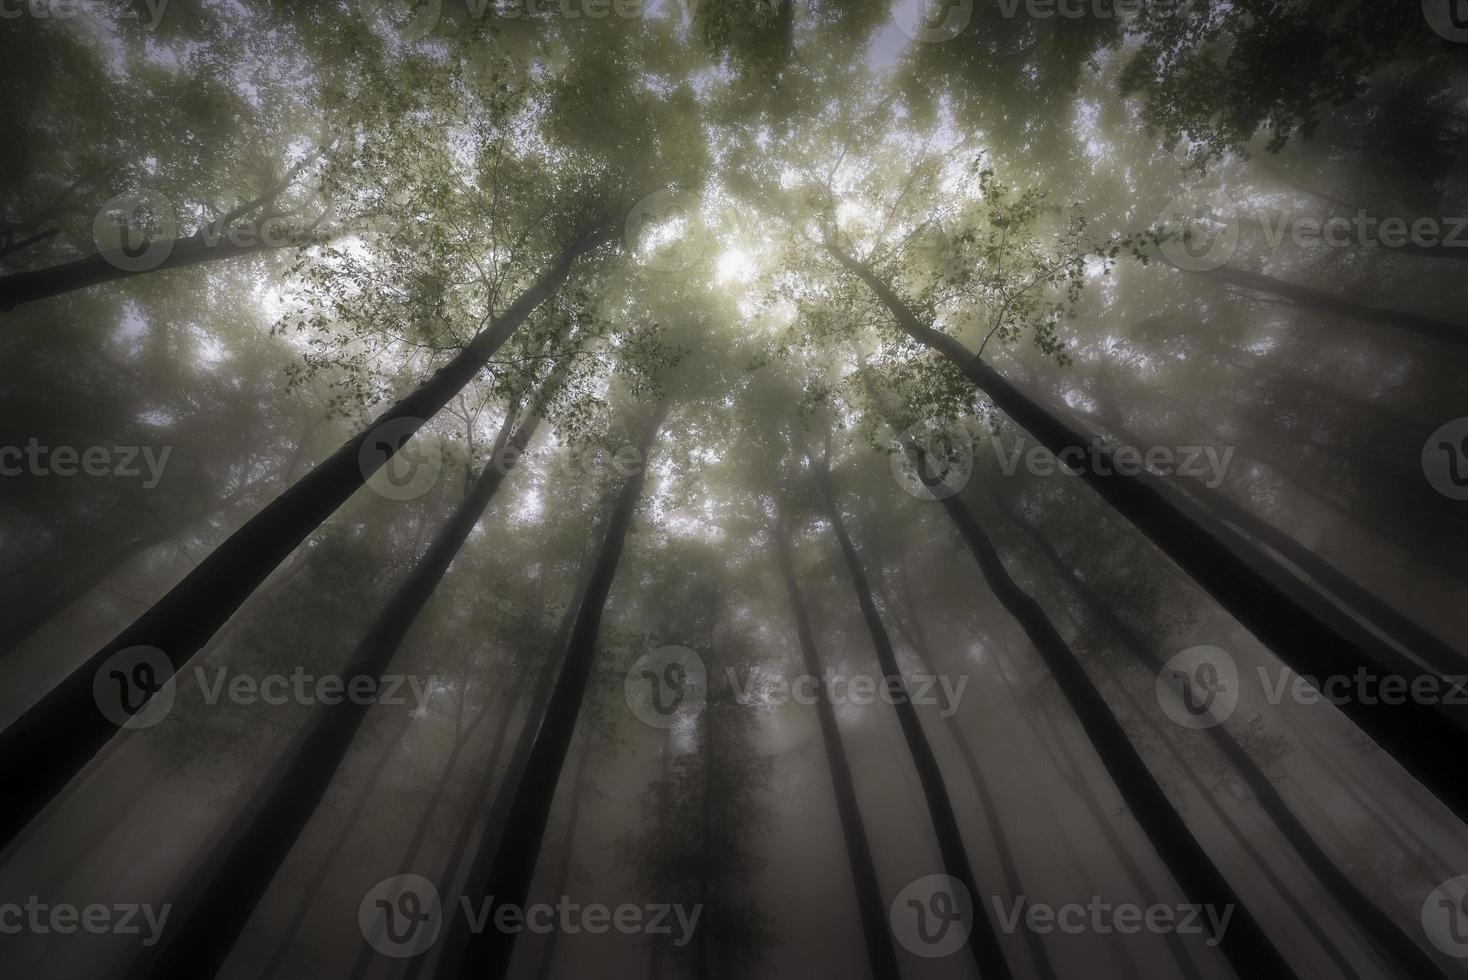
x=983, y=941
x=52, y=741
x=1309, y=298
x=1247, y=947
x=1428, y=740
x=504, y=868
x=233, y=878
x=562, y=876
x=881, y=957
x=297, y=918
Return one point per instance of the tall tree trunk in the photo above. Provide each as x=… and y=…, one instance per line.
x=665, y=806
x=983, y=940
x=876, y=931
x=1428, y=740
x=1013, y=887
x=1362, y=910
x=52, y=741
x=562, y=877
x=1246, y=945
x=231, y=881
x=366, y=795
x=504, y=868
x=1310, y=298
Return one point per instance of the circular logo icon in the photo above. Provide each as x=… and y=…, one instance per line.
x=397, y=466
x=1201, y=228
x=1199, y=688
x=945, y=451
x=134, y=688
x=1445, y=917
x=932, y=916
x=666, y=686
x=135, y=231
x=401, y=916
x=663, y=230
x=1445, y=459
x=932, y=21
x=1448, y=18
x=411, y=20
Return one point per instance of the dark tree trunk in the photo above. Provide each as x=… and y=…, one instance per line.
x=1366, y=915
x=1246, y=945
x=881, y=956
x=1428, y=740
x=221, y=899
x=52, y=741
x=983, y=940
x=504, y=868
x=568, y=845
x=1309, y=298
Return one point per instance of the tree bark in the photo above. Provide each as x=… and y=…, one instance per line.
x=876, y=931
x=52, y=741
x=1245, y=943
x=221, y=898
x=1428, y=740
x=568, y=845
x=983, y=940
x=503, y=869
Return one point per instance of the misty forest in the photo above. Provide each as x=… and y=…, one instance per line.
x=733, y=489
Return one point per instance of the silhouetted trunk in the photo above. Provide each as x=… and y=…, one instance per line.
x=52, y=741
x=503, y=869
x=665, y=807
x=223, y=895
x=1309, y=298
x=709, y=763
x=1366, y=915
x=1427, y=740
x=562, y=877
x=1245, y=944
x=303, y=904
x=983, y=940
x=876, y=931
x=1013, y=888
